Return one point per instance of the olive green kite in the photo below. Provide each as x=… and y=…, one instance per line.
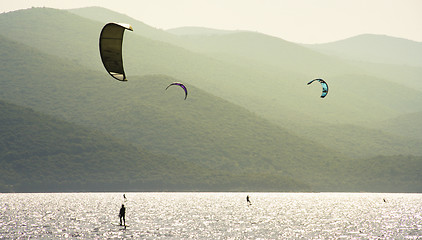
x=111, y=39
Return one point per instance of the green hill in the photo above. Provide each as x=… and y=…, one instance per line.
x=197, y=31
x=375, y=48
x=203, y=130
x=103, y=15
x=386, y=138
x=60, y=73
x=259, y=68
x=408, y=76
x=273, y=73
x=42, y=153
x=284, y=64
x=395, y=59
x=399, y=173
x=405, y=125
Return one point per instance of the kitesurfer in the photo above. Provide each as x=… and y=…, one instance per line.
x=122, y=215
x=248, y=201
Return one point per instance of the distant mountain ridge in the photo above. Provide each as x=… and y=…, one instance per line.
x=229, y=75
x=375, y=48
x=200, y=31
x=271, y=60
x=104, y=15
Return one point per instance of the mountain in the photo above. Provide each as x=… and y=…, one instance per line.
x=273, y=66
x=204, y=130
x=198, y=31
x=404, y=125
x=283, y=64
x=250, y=119
x=39, y=152
x=398, y=173
x=103, y=16
x=385, y=138
x=404, y=75
x=375, y=48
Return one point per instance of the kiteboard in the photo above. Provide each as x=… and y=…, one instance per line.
x=118, y=225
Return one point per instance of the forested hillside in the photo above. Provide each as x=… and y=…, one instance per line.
x=250, y=122
x=375, y=48
x=203, y=130
x=274, y=85
x=42, y=153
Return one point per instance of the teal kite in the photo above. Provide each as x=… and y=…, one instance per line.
x=324, y=86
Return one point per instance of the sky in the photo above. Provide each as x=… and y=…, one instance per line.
x=300, y=21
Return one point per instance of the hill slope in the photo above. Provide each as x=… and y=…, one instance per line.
x=103, y=15
x=198, y=31
x=203, y=129
x=405, y=125
x=258, y=68
x=42, y=153
x=259, y=79
x=375, y=48
x=399, y=173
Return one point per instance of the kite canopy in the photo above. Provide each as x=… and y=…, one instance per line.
x=180, y=85
x=111, y=39
x=324, y=86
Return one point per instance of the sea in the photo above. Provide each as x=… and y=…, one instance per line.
x=211, y=215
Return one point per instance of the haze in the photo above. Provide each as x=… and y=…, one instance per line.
x=304, y=21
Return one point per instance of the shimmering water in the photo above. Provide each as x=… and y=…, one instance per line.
x=212, y=216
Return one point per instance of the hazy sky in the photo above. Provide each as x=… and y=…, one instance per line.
x=303, y=21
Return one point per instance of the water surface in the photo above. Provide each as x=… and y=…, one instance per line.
x=212, y=216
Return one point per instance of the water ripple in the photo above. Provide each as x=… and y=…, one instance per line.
x=212, y=216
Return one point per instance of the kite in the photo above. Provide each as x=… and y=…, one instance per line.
x=111, y=39
x=324, y=86
x=181, y=85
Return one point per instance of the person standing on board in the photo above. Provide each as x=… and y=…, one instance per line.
x=122, y=215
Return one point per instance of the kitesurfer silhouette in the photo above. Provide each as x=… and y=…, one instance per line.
x=248, y=201
x=122, y=215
